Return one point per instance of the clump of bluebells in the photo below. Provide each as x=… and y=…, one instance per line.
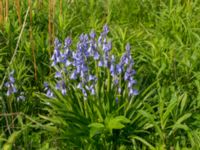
x=90, y=62
x=12, y=89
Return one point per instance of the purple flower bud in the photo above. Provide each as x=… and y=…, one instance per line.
x=57, y=43
x=107, y=46
x=100, y=40
x=46, y=84
x=116, y=81
x=10, y=84
x=84, y=92
x=49, y=93
x=81, y=38
x=68, y=42
x=58, y=86
x=91, y=89
x=128, y=47
x=92, y=78
x=96, y=55
x=86, y=37
x=105, y=29
x=63, y=90
x=92, y=34
x=117, y=100
x=133, y=92
x=112, y=70
x=79, y=86
x=58, y=75
x=11, y=78
x=131, y=83
x=119, y=68
x=67, y=63
x=73, y=75
x=101, y=63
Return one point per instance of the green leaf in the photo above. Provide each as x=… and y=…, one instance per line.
x=116, y=123
x=11, y=140
x=183, y=118
x=95, y=128
x=142, y=141
x=169, y=109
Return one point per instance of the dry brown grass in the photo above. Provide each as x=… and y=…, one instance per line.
x=17, y=5
x=1, y=12
x=6, y=10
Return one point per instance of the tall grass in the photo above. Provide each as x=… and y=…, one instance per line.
x=164, y=36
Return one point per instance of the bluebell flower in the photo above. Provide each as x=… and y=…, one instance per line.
x=84, y=92
x=21, y=97
x=116, y=81
x=74, y=75
x=10, y=84
x=91, y=78
x=112, y=66
x=133, y=92
x=92, y=34
x=107, y=46
x=49, y=93
x=63, y=90
x=81, y=37
x=105, y=29
x=100, y=40
x=91, y=49
x=91, y=89
x=101, y=63
x=128, y=48
x=131, y=83
x=11, y=78
x=58, y=87
x=79, y=86
x=68, y=42
x=56, y=57
x=58, y=75
x=96, y=55
x=68, y=63
x=117, y=100
x=119, y=68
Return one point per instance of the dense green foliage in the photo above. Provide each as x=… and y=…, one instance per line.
x=164, y=36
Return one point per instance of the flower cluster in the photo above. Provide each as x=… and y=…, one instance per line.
x=10, y=84
x=78, y=66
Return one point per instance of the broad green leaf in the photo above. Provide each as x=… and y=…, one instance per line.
x=95, y=128
x=116, y=123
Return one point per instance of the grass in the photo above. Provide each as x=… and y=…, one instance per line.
x=164, y=36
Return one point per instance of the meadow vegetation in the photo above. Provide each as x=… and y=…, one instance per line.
x=152, y=101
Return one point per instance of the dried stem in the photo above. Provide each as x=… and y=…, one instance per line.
x=7, y=10
x=17, y=5
x=1, y=12
x=32, y=41
x=50, y=24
